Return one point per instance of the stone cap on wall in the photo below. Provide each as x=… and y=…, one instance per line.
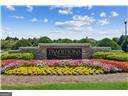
x=63, y=45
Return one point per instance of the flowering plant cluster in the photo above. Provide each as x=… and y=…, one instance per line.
x=46, y=70
x=42, y=66
x=120, y=65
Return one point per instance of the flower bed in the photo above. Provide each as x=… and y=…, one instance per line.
x=62, y=67
x=66, y=70
x=122, y=65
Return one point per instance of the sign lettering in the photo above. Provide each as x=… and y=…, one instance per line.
x=64, y=53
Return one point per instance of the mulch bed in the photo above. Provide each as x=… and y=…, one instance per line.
x=13, y=79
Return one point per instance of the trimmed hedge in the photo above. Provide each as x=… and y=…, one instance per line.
x=24, y=56
x=119, y=56
x=14, y=51
x=29, y=49
x=103, y=49
x=101, y=55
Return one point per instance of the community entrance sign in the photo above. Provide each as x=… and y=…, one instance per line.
x=65, y=50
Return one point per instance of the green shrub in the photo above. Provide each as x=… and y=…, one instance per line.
x=101, y=55
x=103, y=49
x=24, y=56
x=117, y=51
x=117, y=57
x=28, y=49
x=120, y=56
x=14, y=51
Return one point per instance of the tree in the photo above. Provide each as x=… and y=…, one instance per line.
x=115, y=39
x=121, y=39
x=11, y=38
x=88, y=40
x=125, y=45
x=63, y=41
x=75, y=41
x=108, y=43
x=84, y=40
x=57, y=41
x=44, y=40
x=66, y=41
x=7, y=44
x=22, y=43
x=34, y=41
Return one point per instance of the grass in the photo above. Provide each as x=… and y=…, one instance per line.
x=70, y=86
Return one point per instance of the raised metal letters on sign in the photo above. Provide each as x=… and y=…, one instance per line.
x=64, y=53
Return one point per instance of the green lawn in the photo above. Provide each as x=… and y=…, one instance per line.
x=71, y=86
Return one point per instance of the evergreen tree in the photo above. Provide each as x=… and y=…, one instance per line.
x=125, y=45
x=120, y=41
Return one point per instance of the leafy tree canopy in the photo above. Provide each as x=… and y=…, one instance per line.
x=13, y=43
x=44, y=40
x=22, y=43
x=109, y=43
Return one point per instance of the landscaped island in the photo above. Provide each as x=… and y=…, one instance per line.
x=20, y=68
x=76, y=65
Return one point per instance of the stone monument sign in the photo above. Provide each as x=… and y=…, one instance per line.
x=65, y=50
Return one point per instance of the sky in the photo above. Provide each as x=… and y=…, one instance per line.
x=73, y=22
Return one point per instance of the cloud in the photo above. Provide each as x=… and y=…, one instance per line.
x=54, y=7
x=87, y=30
x=67, y=25
x=103, y=22
x=11, y=8
x=64, y=11
x=45, y=20
x=29, y=8
x=102, y=14
x=89, y=7
x=109, y=33
x=83, y=20
x=34, y=20
x=60, y=6
x=114, y=14
x=18, y=17
x=78, y=23
x=71, y=34
x=4, y=29
x=99, y=34
x=92, y=14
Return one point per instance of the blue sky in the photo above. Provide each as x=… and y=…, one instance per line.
x=56, y=22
